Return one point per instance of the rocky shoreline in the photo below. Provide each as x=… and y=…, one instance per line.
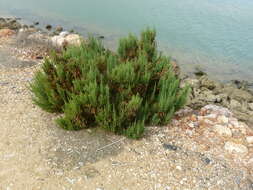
x=206, y=146
x=235, y=95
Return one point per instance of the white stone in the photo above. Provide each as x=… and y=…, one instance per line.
x=191, y=125
x=58, y=41
x=222, y=119
x=179, y=168
x=235, y=123
x=64, y=34
x=249, y=139
x=222, y=130
x=73, y=39
x=239, y=126
x=66, y=39
x=232, y=147
x=211, y=116
x=21, y=30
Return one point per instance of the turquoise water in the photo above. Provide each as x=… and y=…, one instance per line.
x=216, y=35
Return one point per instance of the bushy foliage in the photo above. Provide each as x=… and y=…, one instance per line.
x=121, y=92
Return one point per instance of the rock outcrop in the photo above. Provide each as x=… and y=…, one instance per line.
x=64, y=39
x=237, y=98
x=10, y=23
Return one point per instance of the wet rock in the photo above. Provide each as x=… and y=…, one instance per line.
x=205, y=82
x=101, y=37
x=235, y=97
x=9, y=23
x=241, y=84
x=232, y=147
x=24, y=27
x=72, y=31
x=222, y=130
x=14, y=25
x=199, y=72
x=48, y=27
x=58, y=29
x=237, y=94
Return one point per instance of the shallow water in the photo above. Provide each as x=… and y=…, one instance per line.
x=211, y=34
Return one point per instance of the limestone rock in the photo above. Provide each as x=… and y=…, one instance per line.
x=238, y=94
x=64, y=34
x=218, y=110
x=235, y=104
x=207, y=83
x=65, y=39
x=58, y=41
x=222, y=130
x=73, y=39
x=192, y=82
x=12, y=24
x=232, y=147
x=239, y=99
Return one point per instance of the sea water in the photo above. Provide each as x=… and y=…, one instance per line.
x=214, y=35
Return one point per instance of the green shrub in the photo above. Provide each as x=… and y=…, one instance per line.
x=121, y=92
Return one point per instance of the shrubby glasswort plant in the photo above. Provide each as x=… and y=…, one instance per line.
x=121, y=92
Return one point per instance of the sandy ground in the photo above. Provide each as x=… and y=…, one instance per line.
x=35, y=154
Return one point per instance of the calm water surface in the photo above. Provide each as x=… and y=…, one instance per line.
x=213, y=34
